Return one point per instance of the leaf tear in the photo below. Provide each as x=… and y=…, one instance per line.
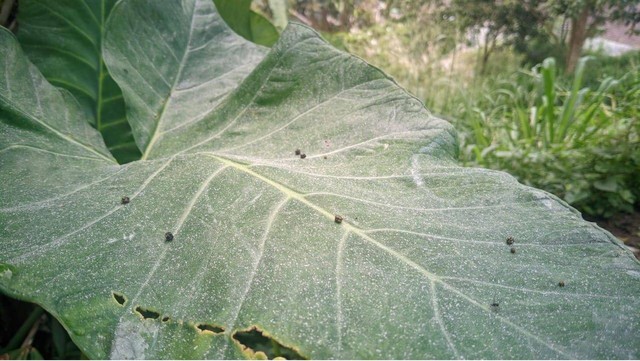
x=146, y=313
x=257, y=342
x=205, y=327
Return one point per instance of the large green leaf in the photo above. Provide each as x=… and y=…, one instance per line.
x=187, y=63
x=411, y=272
x=63, y=39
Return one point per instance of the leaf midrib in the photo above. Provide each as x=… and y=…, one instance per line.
x=349, y=228
x=185, y=55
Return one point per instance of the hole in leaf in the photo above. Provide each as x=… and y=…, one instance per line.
x=255, y=341
x=165, y=319
x=147, y=313
x=119, y=298
x=209, y=328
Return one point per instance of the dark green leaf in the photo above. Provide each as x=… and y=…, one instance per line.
x=246, y=22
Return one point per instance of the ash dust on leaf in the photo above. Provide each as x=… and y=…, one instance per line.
x=130, y=339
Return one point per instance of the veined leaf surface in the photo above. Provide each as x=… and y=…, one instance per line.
x=413, y=271
x=63, y=38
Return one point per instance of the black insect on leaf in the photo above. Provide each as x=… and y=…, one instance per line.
x=495, y=305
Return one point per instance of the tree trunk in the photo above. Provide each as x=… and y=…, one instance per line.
x=577, y=38
x=489, y=46
x=346, y=11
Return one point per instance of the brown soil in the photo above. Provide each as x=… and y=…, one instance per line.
x=626, y=227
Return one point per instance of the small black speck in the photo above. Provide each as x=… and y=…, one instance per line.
x=513, y=250
x=168, y=236
x=325, y=157
x=510, y=240
x=298, y=152
x=125, y=200
x=126, y=71
x=561, y=284
x=303, y=156
x=338, y=219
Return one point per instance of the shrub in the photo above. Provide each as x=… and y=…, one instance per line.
x=576, y=142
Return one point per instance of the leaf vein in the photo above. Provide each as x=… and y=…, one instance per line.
x=438, y=318
x=64, y=239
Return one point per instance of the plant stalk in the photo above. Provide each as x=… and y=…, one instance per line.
x=20, y=335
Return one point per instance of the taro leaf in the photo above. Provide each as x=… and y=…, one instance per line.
x=255, y=256
x=63, y=39
x=187, y=63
